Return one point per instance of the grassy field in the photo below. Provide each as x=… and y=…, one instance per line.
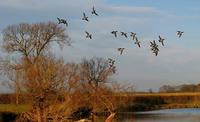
x=14, y=108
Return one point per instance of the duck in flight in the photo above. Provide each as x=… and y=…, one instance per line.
x=137, y=42
x=153, y=44
x=124, y=34
x=156, y=52
x=121, y=50
x=88, y=35
x=154, y=47
x=161, y=40
x=62, y=21
x=94, y=11
x=180, y=33
x=85, y=17
x=115, y=33
x=133, y=35
x=111, y=62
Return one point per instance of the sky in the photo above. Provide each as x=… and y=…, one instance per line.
x=177, y=62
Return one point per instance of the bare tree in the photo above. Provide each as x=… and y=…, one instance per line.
x=33, y=40
x=53, y=87
x=42, y=81
x=96, y=72
x=29, y=42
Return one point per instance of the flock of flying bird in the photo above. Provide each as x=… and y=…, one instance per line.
x=153, y=45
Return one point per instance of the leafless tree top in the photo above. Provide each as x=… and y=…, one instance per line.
x=33, y=40
x=96, y=70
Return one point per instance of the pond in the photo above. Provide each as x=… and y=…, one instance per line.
x=168, y=115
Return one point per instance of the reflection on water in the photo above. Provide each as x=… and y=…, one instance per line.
x=172, y=115
x=168, y=115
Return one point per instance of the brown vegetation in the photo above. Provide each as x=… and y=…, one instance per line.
x=53, y=88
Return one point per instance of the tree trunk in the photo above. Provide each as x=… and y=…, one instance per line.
x=17, y=98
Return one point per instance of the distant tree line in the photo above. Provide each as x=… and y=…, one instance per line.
x=180, y=88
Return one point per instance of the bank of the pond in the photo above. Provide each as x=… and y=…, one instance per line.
x=157, y=101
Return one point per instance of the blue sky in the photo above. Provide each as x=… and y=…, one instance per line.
x=177, y=62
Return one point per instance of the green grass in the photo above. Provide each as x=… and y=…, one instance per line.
x=14, y=108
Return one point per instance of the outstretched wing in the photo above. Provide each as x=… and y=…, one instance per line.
x=156, y=53
x=138, y=44
x=159, y=37
x=87, y=32
x=59, y=20
x=136, y=39
x=154, y=42
x=178, y=32
x=125, y=34
x=93, y=9
x=162, y=43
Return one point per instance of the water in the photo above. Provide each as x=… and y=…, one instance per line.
x=168, y=115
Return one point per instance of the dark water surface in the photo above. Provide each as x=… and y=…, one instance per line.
x=168, y=115
x=7, y=117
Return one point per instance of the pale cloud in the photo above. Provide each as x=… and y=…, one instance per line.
x=177, y=55
x=20, y=4
x=48, y=4
x=132, y=10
